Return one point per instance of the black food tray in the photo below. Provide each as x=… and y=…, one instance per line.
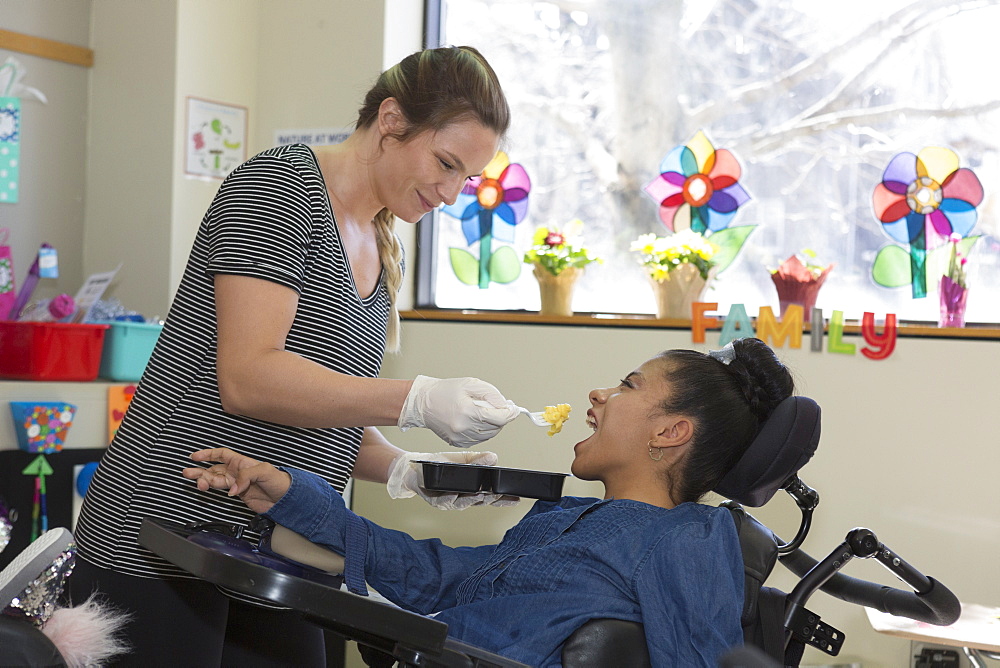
x=470, y=479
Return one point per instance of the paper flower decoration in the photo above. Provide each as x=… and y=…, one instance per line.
x=556, y=250
x=489, y=206
x=41, y=427
x=698, y=189
x=922, y=200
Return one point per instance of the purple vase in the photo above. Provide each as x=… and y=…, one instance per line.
x=953, y=297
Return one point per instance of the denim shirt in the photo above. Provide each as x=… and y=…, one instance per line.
x=679, y=572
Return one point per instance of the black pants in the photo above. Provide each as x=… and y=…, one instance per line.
x=191, y=623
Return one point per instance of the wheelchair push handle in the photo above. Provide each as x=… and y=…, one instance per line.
x=930, y=601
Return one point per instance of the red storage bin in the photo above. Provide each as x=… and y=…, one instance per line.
x=50, y=350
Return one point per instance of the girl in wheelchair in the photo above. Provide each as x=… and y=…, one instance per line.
x=647, y=552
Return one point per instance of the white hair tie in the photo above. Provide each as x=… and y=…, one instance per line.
x=725, y=355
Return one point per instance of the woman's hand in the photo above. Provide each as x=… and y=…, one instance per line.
x=462, y=411
x=406, y=479
x=258, y=484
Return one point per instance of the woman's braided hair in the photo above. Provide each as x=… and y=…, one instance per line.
x=434, y=88
x=728, y=404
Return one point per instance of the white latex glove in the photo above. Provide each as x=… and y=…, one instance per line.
x=406, y=479
x=462, y=411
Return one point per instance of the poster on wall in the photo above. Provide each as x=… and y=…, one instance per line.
x=216, y=138
x=312, y=136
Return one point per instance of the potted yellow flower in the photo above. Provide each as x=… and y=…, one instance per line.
x=679, y=267
x=558, y=259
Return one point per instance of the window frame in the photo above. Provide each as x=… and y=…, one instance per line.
x=426, y=262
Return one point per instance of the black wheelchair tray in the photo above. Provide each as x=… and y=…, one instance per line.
x=411, y=638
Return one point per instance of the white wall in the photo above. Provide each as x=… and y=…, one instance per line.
x=53, y=143
x=317, y=59
x=129, y=151
x=909, y=448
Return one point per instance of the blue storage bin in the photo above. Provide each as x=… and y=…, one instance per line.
x=127, y=347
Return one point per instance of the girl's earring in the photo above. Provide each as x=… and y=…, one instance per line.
x=659, y=452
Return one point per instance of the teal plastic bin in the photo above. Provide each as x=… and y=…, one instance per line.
x=127, y=347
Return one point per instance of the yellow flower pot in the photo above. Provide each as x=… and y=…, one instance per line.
x=556, y=291
x=674, y=295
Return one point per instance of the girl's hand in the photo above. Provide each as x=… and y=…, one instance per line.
x=258, y=484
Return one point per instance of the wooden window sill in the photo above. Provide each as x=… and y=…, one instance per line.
x=905, y=329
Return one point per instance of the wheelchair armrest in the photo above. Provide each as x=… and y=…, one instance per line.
x=607, y=642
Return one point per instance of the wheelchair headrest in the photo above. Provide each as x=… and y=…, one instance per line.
x=785, y=443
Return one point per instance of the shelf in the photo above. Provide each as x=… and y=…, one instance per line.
x=647, y=321
x=46, y=48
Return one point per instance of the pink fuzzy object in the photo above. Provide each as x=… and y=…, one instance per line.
x=85, y=634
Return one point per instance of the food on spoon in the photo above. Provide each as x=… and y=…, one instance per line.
x=556, y=416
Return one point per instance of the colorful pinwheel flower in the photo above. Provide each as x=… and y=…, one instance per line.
x=698, y=189
x=922, y=200
x=489, y=207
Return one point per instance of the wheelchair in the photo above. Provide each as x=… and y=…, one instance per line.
x=777, y=626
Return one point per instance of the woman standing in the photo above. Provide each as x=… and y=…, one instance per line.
x=274, y=343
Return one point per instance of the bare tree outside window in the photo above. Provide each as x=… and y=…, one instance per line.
x=814, y=100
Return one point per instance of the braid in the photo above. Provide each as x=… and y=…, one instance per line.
x=752, y=390
x=762, y=390
x=390, y=254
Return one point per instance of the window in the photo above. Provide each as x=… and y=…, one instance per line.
x=813, y=99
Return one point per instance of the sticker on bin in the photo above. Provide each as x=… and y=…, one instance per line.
x=42, y=426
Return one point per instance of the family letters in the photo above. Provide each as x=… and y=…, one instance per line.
x=776, y=332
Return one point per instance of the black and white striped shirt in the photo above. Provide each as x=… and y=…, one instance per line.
x=271, y=219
